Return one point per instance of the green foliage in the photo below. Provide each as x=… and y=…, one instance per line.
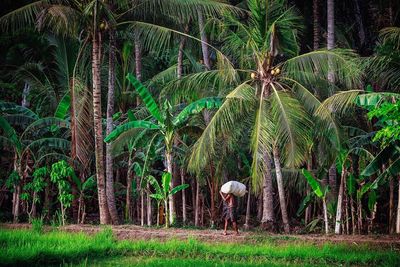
x=12, y=180
x=164, y=191
x=146, y=97
x=388, y=114
x=60, y=172
x=37, y=225
x=315, y=185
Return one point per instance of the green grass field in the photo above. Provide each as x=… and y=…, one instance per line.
x=23, y=247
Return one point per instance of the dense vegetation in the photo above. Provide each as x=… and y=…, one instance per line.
x=138, y=111
x=21, y=247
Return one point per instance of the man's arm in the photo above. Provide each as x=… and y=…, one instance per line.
x=223, y=197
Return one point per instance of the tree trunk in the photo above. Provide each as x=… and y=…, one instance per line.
x=180, y=54
x=171, y=202
x=346, y=207
x=98, y=129
x=331, y=31
x=112, y=207
x=325, y=210
x=212, y=194
x=196, y=210
x=184, y=213
x=360, y=24
x=268, y=217
x=353, y=216
x=398, y=209
x=316, y=31
x=138, y=62
x=248, y=205
x=17, y=189
x=149, y=207
x=391, y=204
x=141, y=207
x=340, y=202
x=307, y=213
x=128, y=201
x=281, y=191
x=332, y=181
x=204, y=41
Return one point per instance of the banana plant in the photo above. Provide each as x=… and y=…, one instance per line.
x=164, y=192
x=163, y=123
x=320, y=191
x=37, y=141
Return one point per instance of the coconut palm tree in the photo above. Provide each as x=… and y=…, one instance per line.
x=276, y=102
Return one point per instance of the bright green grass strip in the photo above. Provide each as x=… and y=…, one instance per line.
x=20, y=247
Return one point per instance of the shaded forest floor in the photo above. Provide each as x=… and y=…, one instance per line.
x=134, y=232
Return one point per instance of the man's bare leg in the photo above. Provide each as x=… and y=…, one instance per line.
x=235, y=228
x=226, y=226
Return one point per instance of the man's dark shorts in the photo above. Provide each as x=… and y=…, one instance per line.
x=229, y=213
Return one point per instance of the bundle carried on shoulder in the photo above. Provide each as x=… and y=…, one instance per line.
x=233, y=187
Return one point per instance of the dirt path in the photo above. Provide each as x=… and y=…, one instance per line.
x=133, y=232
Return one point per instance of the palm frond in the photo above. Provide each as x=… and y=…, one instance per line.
x=344, y=64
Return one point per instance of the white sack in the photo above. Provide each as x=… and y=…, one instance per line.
x=235, y=188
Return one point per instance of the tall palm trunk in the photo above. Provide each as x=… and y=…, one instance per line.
x=138, y=62
x=204, y=41
x=268, y=217
x=110, y=111
x=171, y=202
x=339, y=209
x=316, y=31
x=360, y=24
x=331, y=31
x=281, y=191
x=98, y=130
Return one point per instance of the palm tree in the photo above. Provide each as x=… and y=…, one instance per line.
x=276, y=103
x=165, y=125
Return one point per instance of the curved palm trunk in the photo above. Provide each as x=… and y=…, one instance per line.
x=204, y=41
x=339, y=209
x=110, y=111
x=171, y=214
x=180, y=54
x=268, y=217
x=281, y=191
x=98, y=130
